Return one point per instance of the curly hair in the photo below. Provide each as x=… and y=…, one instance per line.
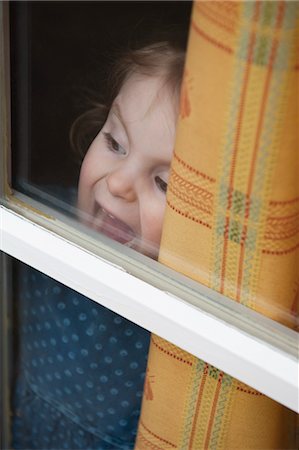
x=159, y=59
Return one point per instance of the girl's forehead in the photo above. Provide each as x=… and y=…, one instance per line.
x=147, y=114
x=142, y=95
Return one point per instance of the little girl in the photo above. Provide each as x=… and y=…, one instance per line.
x=124, y=175
x=81, y=367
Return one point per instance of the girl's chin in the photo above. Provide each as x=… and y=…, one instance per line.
x=113, y=228
x=116, y=234
x=118, y=231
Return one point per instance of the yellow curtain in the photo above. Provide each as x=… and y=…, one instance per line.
x=232, y=217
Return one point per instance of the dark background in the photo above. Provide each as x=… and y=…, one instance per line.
x=60, y=52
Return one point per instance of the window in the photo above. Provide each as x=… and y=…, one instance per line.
x=39, y=227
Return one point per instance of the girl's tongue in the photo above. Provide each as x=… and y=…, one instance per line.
x=115, y=229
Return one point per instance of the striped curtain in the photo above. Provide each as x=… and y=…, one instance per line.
x=232, y=219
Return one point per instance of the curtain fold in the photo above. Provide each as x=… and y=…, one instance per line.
x=232, y=218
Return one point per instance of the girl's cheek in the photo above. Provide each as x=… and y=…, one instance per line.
x=84, y=176
x=93, y=165
x=153, y=219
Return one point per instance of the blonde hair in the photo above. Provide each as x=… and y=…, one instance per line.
x=158, y=59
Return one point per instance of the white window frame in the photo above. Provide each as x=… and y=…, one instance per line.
x=241, y=342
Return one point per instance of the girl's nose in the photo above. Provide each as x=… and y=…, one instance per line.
x=121, y=184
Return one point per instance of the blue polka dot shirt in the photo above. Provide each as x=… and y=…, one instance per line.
x=80, y=370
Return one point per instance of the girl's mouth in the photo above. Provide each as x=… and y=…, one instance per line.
x=113, y=227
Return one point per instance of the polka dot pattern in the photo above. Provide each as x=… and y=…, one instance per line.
x=81, y=365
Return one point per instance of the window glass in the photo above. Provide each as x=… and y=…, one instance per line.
x=95, y=73
x=82, y=96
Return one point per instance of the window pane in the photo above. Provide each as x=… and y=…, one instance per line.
x=59, y=80
x=61, y=88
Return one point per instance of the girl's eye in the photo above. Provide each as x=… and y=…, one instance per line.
x=162, y=185
x=113, y=145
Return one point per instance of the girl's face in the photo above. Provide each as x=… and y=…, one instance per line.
x=124, y=175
